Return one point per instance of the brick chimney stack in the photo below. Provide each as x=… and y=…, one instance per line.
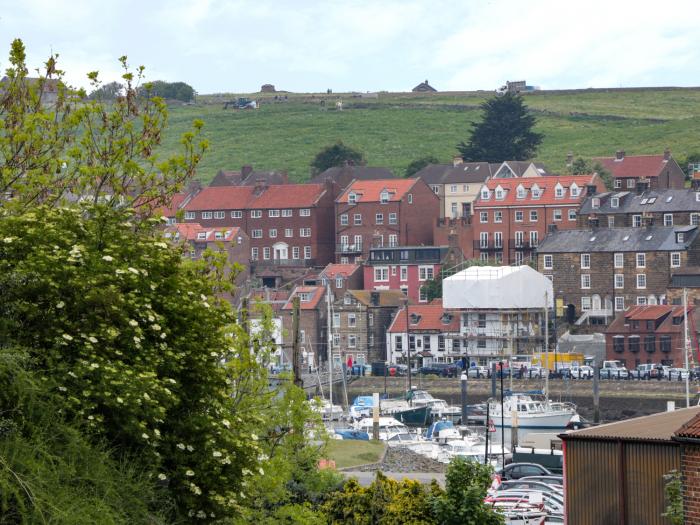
x=569, y=159
x=667, y=154
x=260, y=186
x=245, y=171
x=620, y=154
x=456, y=161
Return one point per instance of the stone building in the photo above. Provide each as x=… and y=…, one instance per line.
x=342, y=277
x=424, y=87
x=654, y=172
x=312, y=325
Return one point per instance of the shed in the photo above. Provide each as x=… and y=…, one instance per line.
x=614, y=473
x=424, y=87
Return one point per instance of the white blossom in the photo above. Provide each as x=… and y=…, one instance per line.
x=189, y=473
x=160, y=244
x=108, y=258
x=144, y=435
x=133, y=322
x=133, y=270
x=92, y=339
x=162, y=477
x=181, y=446
x=60, y=304
x=226, y=423
x=8, y=240
x=156, y=327
x=216, y=454
x=67, y=337
x=62, y=388
x=190, y=448
x=120, y=400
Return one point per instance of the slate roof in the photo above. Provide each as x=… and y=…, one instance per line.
x=370, y=190
x=429, y=318
x=657, y=238
x=424, y=86
x=662, y=201
x=343, y=175
x=467, y=172
x=633, y=165
x=519, y=167
x=387, y=298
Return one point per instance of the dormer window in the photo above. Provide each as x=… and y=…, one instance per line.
x=697, y=196
x=574, y=190
x=485, y=195
x=595, y=203
x=559, y=191
x=352, y=198
x=415, y=318
x=680, y=237
x=304, y=297
x=201, y=235
x=615, y=202
x=520, y=192
x=446, y=318
x=535, y=191
x=219, y=235
x=500, y=194
x=384, y=197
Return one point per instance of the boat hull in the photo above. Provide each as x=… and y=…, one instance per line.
x=535, y=421
x=414, y=417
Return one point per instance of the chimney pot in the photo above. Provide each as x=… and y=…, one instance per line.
x=570, y=158
x=667, y=154
x=245, y=171
x=457, y=160
x=620, y=154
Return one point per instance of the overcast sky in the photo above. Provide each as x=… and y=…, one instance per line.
x=235, y=46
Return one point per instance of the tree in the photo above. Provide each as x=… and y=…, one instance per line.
x=504, y=133
x=418, y=164
x=604, y=174
x=433, y=288
x=337, y=154
x=691, y=158
x=110, y=91
x=170, y=91
x=580, y=166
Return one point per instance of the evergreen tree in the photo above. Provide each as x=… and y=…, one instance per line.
x=335, y=155
x=418, y=164
x=504, y=133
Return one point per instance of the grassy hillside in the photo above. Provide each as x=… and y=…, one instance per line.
x=395, y=129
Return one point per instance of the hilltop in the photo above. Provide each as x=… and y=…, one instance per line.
x=392, y=129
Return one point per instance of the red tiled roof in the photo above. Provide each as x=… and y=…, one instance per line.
x=370, y=190
x=633, y=166
x=691, y=429
x=221, y=198
x=546, y=187
x=430, y=318
x=189, y=231
x=649, y=312
x=245, y=197
x=316, y=294
x=345, y=270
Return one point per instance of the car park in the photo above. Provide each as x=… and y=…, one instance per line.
x=441, y=369
x=521, y=470
x=477, y=372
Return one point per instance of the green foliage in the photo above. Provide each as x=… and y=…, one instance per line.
x=462, y=503
x=170, y=90
x=673, y=489
x=337, y=154
x=504, y=133
x=604, y=174
x=433, y=288
x=691, y=158
x=109, y=91
x=580, y=166
x=418, y=164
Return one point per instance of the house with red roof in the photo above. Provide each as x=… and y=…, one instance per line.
x=433, y=334
x=643, y=172
x=512, y=215
x=312, y=325
x=342, y=277
x=289, y=225
x=653, y=334
x=385, y=212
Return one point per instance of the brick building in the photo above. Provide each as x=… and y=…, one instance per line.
x=688, y=437
x=598, y=271
x=360, y=321
x=342, y=277
x=652, y=334
x=655, y=172
x=288, y=225
x=636, y=209
x=387, y=212
x=512, y=215
x=407, y=268
x=312, y=325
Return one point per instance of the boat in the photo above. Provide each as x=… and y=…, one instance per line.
x=438, y=407
x=525, y=411
x=401, y=409
x=350, y=433
x=416, y=443
x=328, y=411
x=388, y=427
x=443, y=431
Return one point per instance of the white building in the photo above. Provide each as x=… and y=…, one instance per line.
x=501, y=310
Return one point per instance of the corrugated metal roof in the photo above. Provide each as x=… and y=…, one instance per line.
x=657, y=427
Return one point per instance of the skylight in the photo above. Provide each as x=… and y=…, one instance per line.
x=669, y=198
x=645, y=200
x=648, y=237
x=652, y=200
x=626, y=238
x=592, y=239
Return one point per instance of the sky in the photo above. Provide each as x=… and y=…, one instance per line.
x=372, y=45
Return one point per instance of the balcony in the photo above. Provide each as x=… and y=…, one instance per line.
x=449, y=222
x=524, y=245
x=489, y=246
x=283, y=263
x=348, y=248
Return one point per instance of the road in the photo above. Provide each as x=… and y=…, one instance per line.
x=365, y=478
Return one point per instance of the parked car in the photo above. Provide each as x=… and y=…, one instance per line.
x=581, y=372
x=441, y=369
x=646, y=371
x=479, y=372
x=549, y=480
x=521, y=470
x=613, y=370
x=678, y=374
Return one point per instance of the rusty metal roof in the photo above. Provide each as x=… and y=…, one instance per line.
x=657, y=427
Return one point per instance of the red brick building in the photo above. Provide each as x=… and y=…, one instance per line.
x=655, y=172
x=688, y=436
x=387, y=212
x=512, y=216
x=288, y=225
x=651, y=334
x=342, y=277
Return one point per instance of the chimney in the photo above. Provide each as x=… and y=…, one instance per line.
x=591, y=189
x=260, y=186
x=552, y=228
x=284, y=176
x=374, y=298
x=245, y=171
x=194, y=187
x=667, y=154
x=569, y=159
x=620, y=154
x=457, y=160
x=452, y=239
x=642, y=186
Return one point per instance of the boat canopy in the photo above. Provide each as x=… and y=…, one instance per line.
x=437, y=427
x=363, y=401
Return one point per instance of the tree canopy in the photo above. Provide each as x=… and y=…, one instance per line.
x=337, y=154
x=505, y=132
x=418, y=164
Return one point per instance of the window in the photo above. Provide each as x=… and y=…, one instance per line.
x=352, y=320
x=352, y=341
x=675, y=259
x=641, y=280
x=484, y=217
x=255, y=214
x=347, y=300
x=665, y=343
x=219, y=214
x=295, y=252
x=556, y=215
x=619, y=304
x=518, y=216
x=497, y=216
x=441, y=343
x=344, y=219
x=307, y=252
x=286, y=213
x=370, y=319
x=585, y=303
x=379, y=218
x=403, y=273
x=484, y=257
x=336, y=320
x=381, y=273
x=393, y=271
x=630, y=183
x=357, y=219
x=273, y=213
x=498, y=240
x=574, y=190
x=585, y=281
x=485, y=194
x=358, y=242
x=500, y=194
x=619, y=281
x=650, y=343
x=619, y=344
x=190, y=215
x=498, y=258
x=288, y=232
x=266, y=253
x=611, y=221
x=548, y=262
x=680, y=237
x=201, y=235
x=533, y=215
x=257, y=234
x=481, y=322
x=695, y=219
x=410, y=198
x=392, y=218
x=393, y=240
x=398, y=342
x=519, y=238
x=641, y=300
x=254, y=253
x=237, y=214
x=558, y=191
x=436, y=189
x=595, y=203
x=481, y=343
x=384, y=197
x=273, y=233
x=615, y=202
x=411, y=343
x=336, y=339
x=206, y=215
x=484, y=240
x=572, y=215
x=586, y=261
x=305, y=212
x=520, y=192
x=338, y=282
x=425, y=273
x=426, y=342
x=619, y=260
x=534, y=239
x=453, y=188
x=668, y=219
x=423, y=294
x=636, y=221
x=535, y=191
x=304, y=232
x=641, y=260
x=302, y=336
x=633, y=344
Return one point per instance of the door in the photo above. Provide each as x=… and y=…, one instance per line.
x=280, y=251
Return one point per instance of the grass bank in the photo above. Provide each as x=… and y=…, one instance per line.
x=351, y=453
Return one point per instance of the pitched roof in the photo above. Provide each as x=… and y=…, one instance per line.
x=690, y=429
x=634, y=165
x=344, y=270
x=519, y=167
x=424, y=86
x=370, y=190
x=657, y=427
x=315, y=294
x=387, y=298
x=657, y=238
x=467, y=172
x=175, y=204
x=247, y=197
x=221, y=198
x=655, y=201
x=545, y=185
x=193, y=231
x=425, y=317
x=345, y=174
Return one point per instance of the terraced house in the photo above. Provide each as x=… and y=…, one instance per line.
x=606, y=270
x=655, y=172
x=512, y=215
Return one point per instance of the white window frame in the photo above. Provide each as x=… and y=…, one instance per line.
x=236, y=214
x=534, y=216
x=273, y=213
x=425, y=272
x=636, y=221
x=190, y=215
x=307, y=252
x=572, y=214
x=641, y=281
x=585, y=261
x=393, y=218
x=640, y=260
x=206, y=215
x=273, y=233
x=378, y=218
x=668, y=219
x=254, y=253
x=219, y=214
x=548, y=262
x=295, y=252
x=619, y=281
x=357, y=219
x=557, y=215
x=305, y=212
x=498, y=216
x=381, y=274
x=343, y=219
x=255, y=214
x=483, y=217
x=619, y=260
x=256, y=234
x=585, y=281
x=289, y=232
x=585, y=304
x=519, y=216
x=266, y=253
x=422, y=294
x=675, y=259
x=286, y=213
x=619, y=303
x=403, y=273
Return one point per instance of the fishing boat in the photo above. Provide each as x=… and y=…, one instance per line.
x=526, y=411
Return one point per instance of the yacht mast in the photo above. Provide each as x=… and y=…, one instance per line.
x=546, y=345
x=329, y=343
x=686, y=347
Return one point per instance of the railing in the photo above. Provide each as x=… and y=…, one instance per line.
x=348, y=248
x=460, y=221
x=287, y=263
x=525, y=244
x=487, y=246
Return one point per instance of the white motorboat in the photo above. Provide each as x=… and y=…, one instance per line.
x=438, y=407
x=388, y=427
x=524, y=411
x=328, y=411
x=416, y=443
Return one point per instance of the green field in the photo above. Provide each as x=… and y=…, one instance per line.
x=395, y=129
x=351, y=452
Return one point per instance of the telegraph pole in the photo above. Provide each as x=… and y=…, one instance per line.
x=296, y=351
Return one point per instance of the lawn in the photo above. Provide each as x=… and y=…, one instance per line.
x=352, y=452
x=395, y=129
